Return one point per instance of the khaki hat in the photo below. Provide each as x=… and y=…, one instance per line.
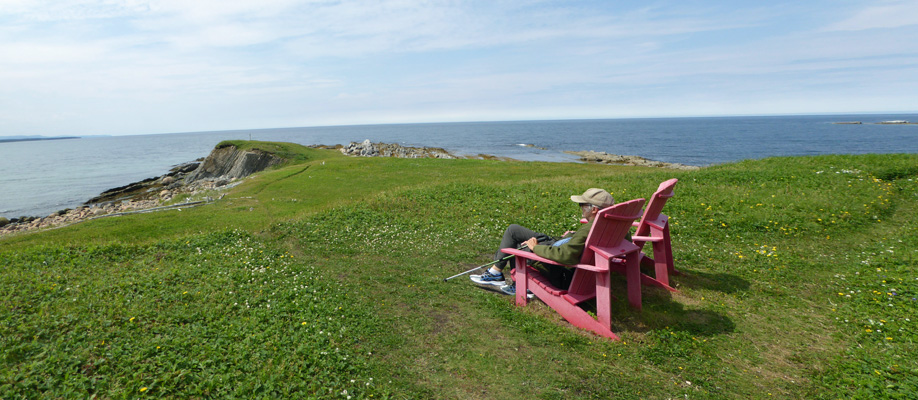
x=596, y=197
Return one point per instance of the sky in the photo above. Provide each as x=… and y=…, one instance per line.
x=123, y=67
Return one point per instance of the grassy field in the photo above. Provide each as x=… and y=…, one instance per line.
x=324, y=279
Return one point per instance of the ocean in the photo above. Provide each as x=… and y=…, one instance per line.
x=40, y=177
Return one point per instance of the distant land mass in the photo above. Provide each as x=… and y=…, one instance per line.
x=33, y=138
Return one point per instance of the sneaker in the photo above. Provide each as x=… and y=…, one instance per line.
x=489, y=279
x=511, y=290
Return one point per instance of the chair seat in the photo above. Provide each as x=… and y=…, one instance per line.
x=542, y=281
x=537, y=277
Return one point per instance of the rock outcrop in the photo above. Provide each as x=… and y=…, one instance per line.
x=367, y=149
x=606, y=158
x=147, y=189
x=229, y=163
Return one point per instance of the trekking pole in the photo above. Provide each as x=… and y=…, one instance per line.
x=520, y=247
x=479, y=267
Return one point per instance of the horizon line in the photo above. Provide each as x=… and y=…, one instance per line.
x=474, y=122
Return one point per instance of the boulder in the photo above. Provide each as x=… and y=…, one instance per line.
x=184, y=168
x=4, y=222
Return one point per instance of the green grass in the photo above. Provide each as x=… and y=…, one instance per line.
x=324, y=279
x=293, y=153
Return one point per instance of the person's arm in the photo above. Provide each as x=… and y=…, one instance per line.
x=532, y=242
x=567, y=253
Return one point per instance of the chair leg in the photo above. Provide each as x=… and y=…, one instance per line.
x=668, y=250
x=604, y=294
x=574, y=314
x=661, y=264
x=522, y=281
x=633, y=279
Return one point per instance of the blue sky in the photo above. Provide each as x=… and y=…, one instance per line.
x=118, y=67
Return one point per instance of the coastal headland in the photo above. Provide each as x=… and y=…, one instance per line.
x=199, y=181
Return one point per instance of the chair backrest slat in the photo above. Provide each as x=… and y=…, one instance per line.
x=655, y=206
x=610, y=227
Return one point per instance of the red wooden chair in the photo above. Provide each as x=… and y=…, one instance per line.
x=606, y=250
x=654, y=228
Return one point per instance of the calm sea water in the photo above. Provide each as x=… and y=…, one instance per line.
x=37, y=178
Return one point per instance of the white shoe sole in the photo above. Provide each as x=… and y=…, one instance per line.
x=493, y=283
x=477, y=280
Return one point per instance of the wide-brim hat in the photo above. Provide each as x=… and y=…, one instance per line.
x=597, y=197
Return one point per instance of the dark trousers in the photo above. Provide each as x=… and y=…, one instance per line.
x=515, y=235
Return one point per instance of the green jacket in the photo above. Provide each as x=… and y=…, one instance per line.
x=568, y=253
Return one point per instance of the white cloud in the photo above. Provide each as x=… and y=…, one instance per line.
x=886, y=16
x=178, y=65
x=68, y=10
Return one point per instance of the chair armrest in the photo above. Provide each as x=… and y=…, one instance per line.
x=529, y=256
x=621, y=250
x=659, y=223
x=589, y=267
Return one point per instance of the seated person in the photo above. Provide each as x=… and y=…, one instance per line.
x=564, y=250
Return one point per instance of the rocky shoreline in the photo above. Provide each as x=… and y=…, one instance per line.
x=143, y=195
x=193, y=182
x=225, y=166
x=615, y=159
x=369, y=149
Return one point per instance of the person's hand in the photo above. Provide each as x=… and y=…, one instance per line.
x=532, y=242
